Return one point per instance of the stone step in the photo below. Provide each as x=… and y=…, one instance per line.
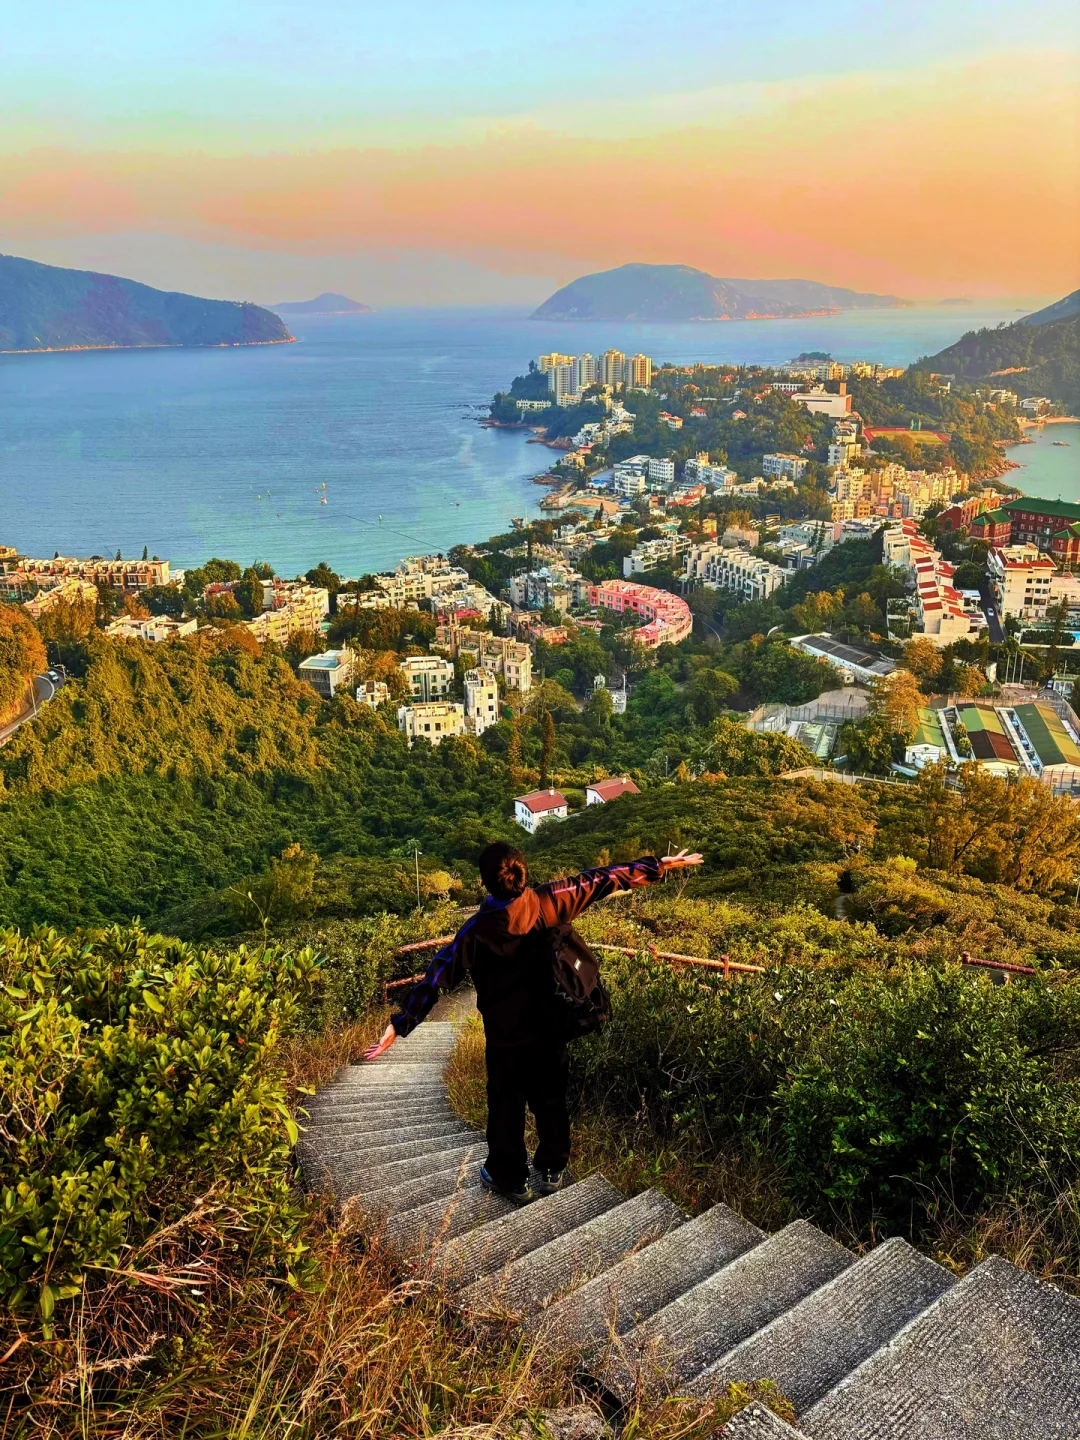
x=376, y=1109
x=643, y=1283
x=526, y=1284
x=414, y=1231
x=409, y=1195
x=481, y=1252
x=362, y=1092
x=361, y=1138
x=365, y=1181
x=995, y=1358
x=811, y=1347
x=386, y=1077
x=379, y=1122
x=406, y=1054
x=757, y=1422
x=359, y=1156
x=678, y=1342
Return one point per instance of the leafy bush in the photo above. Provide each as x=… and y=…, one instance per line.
x=879, y=1093
x=137, y=1074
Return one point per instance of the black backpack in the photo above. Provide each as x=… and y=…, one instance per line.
x=580, y=1001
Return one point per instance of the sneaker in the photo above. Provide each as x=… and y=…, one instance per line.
x=548, y=1181
x=516, y=1197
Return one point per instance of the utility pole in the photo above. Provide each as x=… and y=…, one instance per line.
x=417, y=857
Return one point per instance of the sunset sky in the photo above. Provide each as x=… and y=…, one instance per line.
x=485, y=152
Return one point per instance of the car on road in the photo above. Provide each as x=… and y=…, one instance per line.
x=52, y=675
x=989, y=612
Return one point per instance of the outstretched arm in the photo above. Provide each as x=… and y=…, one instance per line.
x=567, y=898
x=446, y=970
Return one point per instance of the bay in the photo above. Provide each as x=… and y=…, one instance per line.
x=1050, y=465
x=193, y=453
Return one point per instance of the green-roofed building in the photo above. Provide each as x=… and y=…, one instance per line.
x=1055, y=748
x=1034, y=521
x=928, y=745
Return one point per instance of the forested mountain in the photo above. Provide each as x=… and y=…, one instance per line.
x=679, y=292
x=44, y=307
x=1038, y=355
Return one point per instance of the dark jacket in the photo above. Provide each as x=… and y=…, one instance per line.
x=500, y=948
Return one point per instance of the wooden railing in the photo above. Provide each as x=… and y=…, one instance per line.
x=725, y=965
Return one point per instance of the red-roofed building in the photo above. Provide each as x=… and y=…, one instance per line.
x=602, y=791
x=539, y=805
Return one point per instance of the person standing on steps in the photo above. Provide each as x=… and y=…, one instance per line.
x=501, y=947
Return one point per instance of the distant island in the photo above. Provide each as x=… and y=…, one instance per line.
x=669, y=293
x=325, y=304
x=1038, y=354
x=45, y=307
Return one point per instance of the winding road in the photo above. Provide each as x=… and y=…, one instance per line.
x=44, y=690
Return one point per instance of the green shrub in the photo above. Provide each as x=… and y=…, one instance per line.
x=138, y=1074
x=878, y=1093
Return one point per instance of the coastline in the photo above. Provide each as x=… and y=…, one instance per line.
x=217, y=345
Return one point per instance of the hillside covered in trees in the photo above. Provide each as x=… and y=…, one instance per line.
x=1030, y=358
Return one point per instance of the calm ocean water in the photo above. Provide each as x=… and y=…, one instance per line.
x=201, y=452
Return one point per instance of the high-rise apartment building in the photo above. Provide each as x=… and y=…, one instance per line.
x=637, y=373
x=562, y=383
x=548, y=362
x=584, y=371
x=612, y=367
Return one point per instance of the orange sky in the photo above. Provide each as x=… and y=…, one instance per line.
x=964, y=178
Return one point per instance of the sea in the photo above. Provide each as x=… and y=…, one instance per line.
x=359, y=444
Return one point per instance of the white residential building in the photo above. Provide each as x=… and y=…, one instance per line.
x=429, y=677
x=532, y=810
x=720, y=567
x=601, y=792
x=790, y=467
x=662, y=470
x=649, y=554
x=329, y=671
x=372, y=693
x=433, y=721
x=481, y=701
x=843, y=452
x=1022, y=578
x=700, y=471
x=157, y=629
x=822, y=402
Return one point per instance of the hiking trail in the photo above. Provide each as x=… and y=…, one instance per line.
x=884, y=1346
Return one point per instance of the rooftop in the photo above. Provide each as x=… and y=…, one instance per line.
x=540, y=800
x=1053, y=743
x=328, y=660
x=1033, y=504
x=612, y=789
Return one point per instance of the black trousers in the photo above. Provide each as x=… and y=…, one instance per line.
x=536, y=1076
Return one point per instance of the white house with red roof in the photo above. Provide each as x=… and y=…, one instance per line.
x=602, y=791
x=539, y=805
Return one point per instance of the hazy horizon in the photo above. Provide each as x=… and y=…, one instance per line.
x=463, y=154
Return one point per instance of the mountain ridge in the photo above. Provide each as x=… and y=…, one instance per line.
x=1036, y=355
x=670, y=293
x=50, y=307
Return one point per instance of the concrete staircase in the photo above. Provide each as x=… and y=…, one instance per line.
x=887, y=1346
